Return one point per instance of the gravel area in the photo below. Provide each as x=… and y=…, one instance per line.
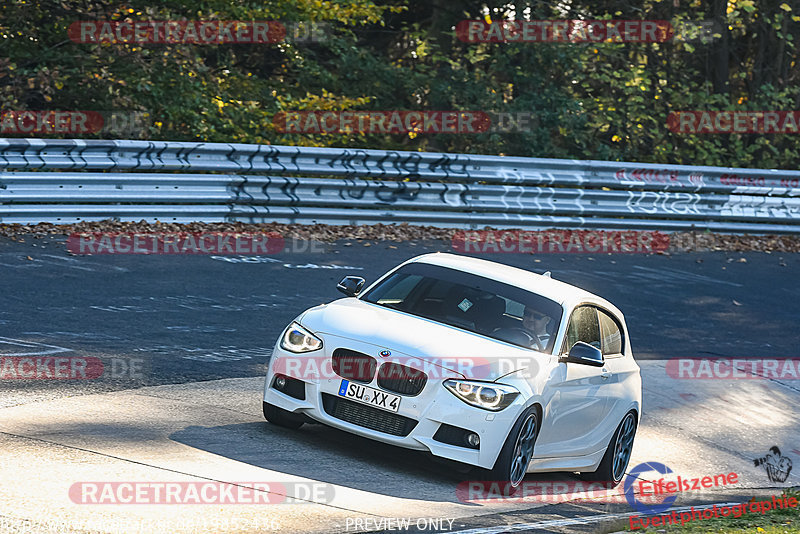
x=679, y=241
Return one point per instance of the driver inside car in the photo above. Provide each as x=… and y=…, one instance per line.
x=536, y=324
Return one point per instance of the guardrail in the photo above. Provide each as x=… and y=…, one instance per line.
x=66, y=181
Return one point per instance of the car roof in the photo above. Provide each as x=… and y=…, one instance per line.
x=565, y=294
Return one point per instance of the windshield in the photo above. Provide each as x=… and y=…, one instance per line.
x=470, y=302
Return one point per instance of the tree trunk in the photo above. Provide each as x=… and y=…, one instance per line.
x=721, y=52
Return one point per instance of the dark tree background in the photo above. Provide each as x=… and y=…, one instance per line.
x=606, y=101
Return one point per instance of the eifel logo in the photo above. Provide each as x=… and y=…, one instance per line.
x=630, y=494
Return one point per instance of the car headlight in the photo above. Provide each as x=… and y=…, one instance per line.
x=298, y=339
x=486, y=395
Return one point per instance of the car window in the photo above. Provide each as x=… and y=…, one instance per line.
x=467, y=301
x=583, y=326
x=610, y=333
x=515, y=309
x=399, y=289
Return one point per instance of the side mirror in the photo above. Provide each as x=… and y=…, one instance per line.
x=351, y=285
x=585, y=354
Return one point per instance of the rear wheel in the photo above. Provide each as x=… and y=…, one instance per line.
x=280, y=417
x=512, y=462
x=618, y=454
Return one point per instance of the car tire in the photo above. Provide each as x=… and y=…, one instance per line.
x=515, y=456
x=281, y=417
x=615, y=461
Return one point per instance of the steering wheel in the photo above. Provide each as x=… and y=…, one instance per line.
x=531, y=341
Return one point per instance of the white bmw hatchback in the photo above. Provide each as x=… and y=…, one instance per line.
x=471, y=360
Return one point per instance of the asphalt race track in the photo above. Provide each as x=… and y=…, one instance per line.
x=184, y=341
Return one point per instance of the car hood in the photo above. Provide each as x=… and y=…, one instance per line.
x=407, y=336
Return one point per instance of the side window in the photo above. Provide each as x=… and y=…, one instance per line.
x=610, y=333
x=401, y=290
x=583, y=326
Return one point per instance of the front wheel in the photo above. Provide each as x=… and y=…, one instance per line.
x=280, y=417
x=517, y=452
x=618, y=454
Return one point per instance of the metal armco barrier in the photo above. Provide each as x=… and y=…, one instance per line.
x=66, y=181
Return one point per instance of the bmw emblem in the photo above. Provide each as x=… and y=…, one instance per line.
x=385, y=353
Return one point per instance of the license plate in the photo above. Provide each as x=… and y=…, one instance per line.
x=370, y=396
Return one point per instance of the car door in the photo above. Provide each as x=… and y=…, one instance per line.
x=579, y=402
x=621, y=366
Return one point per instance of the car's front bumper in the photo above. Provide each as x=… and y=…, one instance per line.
x=433, y=407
